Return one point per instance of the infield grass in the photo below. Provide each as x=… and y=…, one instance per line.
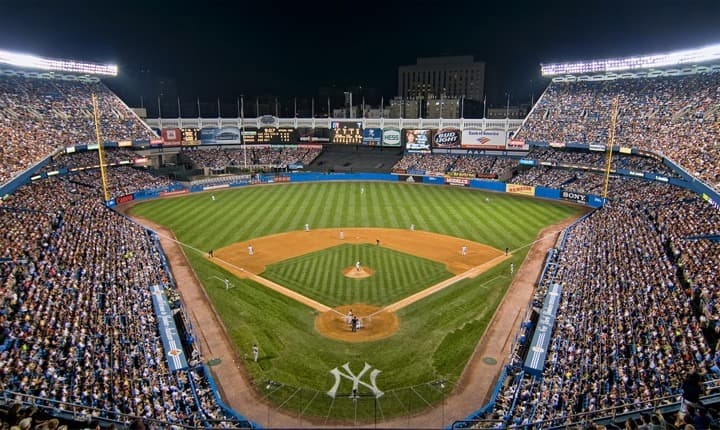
x=437, y=334
x=318, y=275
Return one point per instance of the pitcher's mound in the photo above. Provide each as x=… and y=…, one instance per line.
x=374, y=324
x=354, y=273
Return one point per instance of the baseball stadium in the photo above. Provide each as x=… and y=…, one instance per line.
x=555, y=271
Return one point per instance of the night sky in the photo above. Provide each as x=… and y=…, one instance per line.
x=292, y=48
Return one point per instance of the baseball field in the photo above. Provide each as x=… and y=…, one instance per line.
x=423, y=269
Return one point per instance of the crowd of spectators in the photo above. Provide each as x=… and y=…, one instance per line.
x=466, y=165
x=630, y=325
x=86, y=159
x=39, y=115
x=77, y=325
x=121, y=180
x=677, y=116
x=219, y=158
x=545, y=177
x=599, y=160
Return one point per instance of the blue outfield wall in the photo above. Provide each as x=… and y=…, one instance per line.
x=547, y=193
x=310, y=176
x=488, y=185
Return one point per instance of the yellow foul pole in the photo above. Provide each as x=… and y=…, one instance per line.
x=611, y=143
x=101, y=152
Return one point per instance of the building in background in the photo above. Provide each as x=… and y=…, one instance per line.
x=449, y=77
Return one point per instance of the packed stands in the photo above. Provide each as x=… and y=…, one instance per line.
x=40, y=115
x=77, y=319
x=489, y=167
x=678, y=116
x=635, y=316
x=599, y=160
x=86, y=159
x=218, y=158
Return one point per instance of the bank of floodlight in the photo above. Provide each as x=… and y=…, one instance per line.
x=688, y=56
x=34, y=62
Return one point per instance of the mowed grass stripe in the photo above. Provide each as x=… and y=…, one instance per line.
x=436, y=336
x=319, y=275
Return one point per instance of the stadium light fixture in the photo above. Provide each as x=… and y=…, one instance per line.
x=35, y=62
x=688, y=56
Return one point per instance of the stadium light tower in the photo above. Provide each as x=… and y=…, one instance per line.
x=688, y=56
x=53, y=64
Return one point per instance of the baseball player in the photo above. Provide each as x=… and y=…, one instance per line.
x=357, y=266
x=251, y=251
x=512, y=268
x=412, y=227
x=463, y=250
x=342, y=235
x=256, y=352
x=307, y=227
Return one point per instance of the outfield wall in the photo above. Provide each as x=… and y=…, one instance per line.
x=495, y=186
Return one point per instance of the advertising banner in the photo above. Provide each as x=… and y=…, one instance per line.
x=313, y=135
x=249, y=137
x=346, y=132
x=169, y=334
x=124, y=199
x=557, y=144
x=391, y=137
x=174, y=193
x=207, y=135
x=228, y=135
x=172, y=136
x=417, y=139
x=517, y=144
x=447, y=138
x=479, y=139
x=372, y=136
x=571, y=195
x=410, y=178
x=526, y=190
x=461, y=182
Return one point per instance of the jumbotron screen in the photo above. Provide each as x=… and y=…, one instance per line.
x=417, y=139
x=346, y=132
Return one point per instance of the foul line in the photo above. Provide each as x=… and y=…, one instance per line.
x=400, y=304
x=472, y=273
x=259, y=279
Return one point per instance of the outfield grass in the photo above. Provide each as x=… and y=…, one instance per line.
x=318, y=275
x=436, y=336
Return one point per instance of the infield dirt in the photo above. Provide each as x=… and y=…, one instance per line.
x=279, y=247
x=472, y=390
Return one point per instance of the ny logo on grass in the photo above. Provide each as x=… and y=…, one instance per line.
x=356, y=380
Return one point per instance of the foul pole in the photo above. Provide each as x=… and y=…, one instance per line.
x=611, y=143
x=101, y=153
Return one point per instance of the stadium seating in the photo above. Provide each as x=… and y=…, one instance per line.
x=77, y=319
x=220, y=158
x=677, y=116
x=488, y=167
x=38, y=116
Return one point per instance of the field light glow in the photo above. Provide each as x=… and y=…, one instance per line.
x=688, y=56
x=35, y=62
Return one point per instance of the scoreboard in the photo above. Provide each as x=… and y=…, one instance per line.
x=346, y=132
x=190, y=135
x=276, y=135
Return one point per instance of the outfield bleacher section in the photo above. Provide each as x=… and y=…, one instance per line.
x=40, y=115
x=677, y=116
